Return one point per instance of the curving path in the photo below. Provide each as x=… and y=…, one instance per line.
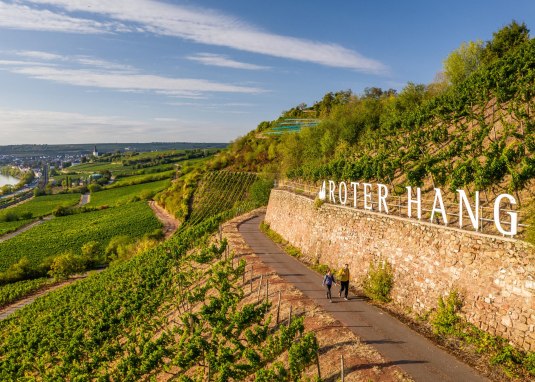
x=170, y=224
x=10, y=235
x=416, y=355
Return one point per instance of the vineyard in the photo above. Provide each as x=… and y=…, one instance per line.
x=219, y=191
x=40, y=206
x=13, y=292
x=126, y=194
x=69, y=233
x=477, y=135
x=169, y=312
x=7, y=227
x=144, y=178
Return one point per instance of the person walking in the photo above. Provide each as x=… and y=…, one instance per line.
x=343, y=276
x=328, y=281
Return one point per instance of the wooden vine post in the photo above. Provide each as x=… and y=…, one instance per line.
x=259, y=288
x=290, y=316
x=342, y=367
x=278, y=307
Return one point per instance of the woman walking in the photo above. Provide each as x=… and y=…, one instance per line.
x=328, y=281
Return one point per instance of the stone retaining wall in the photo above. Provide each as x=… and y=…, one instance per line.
x=496, y=276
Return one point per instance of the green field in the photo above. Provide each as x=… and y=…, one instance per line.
x=95, y=167
x=7, y=227
x=42, y=205
x=123, y=195
x=145, y=178
x=71, y=232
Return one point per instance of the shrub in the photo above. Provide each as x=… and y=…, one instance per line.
x=62, y=211
x=529, y=363
x=260, y=191
x=379, y=281
x=446, y=319
x=318, y=203
x=65, y=265
x=94, y=187
x=115, y=246
x=92, y=254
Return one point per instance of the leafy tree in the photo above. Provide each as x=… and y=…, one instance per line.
x=504, y=40
x=463, y=61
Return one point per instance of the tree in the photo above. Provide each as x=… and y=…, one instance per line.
x=463, y=61
x=506, y=39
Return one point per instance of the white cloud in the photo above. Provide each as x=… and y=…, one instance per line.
x=97, y=73
x=77, y=59
x=126, y=81
x=208, y=27
x=223, y=61
x=29, y=126
x=16, y=16
x=40, y=55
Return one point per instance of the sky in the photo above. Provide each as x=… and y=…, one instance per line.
x=106, y=71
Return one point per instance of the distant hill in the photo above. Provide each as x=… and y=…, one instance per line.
x=87, y=149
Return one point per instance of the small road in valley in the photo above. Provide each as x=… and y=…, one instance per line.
x=11, y=235
x=170, y=224
x=420, y=358
x=84, y=199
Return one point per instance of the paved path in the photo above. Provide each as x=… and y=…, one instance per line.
x=84, y=199
x=10, y=309
x=399, y=345
x=11, y=235
x=6, y=311
x=170, y=224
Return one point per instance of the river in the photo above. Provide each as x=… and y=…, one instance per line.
x=8, y=179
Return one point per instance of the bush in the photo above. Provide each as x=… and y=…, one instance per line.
x=318, y=203
x=9, y=216
x=65, y=265
x=92, y=254
x=21, y=270
x=94, y=187
x=62, y=211
x=446, y=319
x=260, y=191
x=529, y=363
x=379, y=281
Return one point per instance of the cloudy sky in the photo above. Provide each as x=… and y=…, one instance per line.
x=83, y=71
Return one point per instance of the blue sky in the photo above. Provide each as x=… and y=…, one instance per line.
x=83, y=71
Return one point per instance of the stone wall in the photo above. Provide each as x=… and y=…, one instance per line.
x=495, y=275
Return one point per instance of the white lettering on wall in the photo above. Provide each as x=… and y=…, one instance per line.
x=441, y=209
x=342, y=195
x=463, y=200
x=382, y=193
x=354, y=185
x=332, y=186
x=367, y=192
x=418, y=202
x=512, y=215
x=438, y=203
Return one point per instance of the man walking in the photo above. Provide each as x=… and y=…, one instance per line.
x=343, y=276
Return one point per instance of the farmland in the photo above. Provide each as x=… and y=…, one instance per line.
x=41, y=205
x=7, y=227
x=123, y=195
x=71, y=232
